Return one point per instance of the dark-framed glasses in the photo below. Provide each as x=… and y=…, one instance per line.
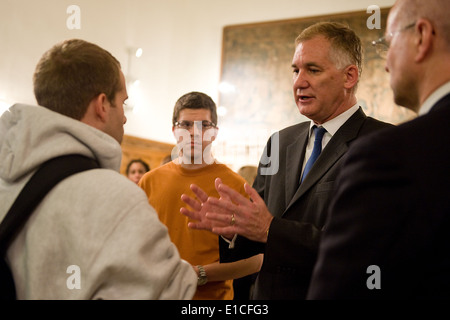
x=382, y=46
x=187, y=124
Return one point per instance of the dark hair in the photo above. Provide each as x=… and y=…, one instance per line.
x=194, y=100
x=146, y=166
x=72, y=73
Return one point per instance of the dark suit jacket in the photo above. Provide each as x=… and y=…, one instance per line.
x=392, y=211
x=299, y=210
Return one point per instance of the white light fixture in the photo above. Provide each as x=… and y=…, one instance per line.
x=222, y=111
x=132, y=82
x=226, y=87
x=4, y=105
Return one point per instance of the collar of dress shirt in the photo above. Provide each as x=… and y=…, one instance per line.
x=333, y=125
x=434, y=97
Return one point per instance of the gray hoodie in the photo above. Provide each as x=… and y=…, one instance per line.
x=94, y=236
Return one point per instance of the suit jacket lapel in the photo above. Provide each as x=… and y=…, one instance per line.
x=296, y=150
x=335, y=149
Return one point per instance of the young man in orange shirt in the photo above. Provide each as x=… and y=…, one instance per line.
x=195, y=127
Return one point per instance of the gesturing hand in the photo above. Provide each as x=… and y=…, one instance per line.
x=234, y=213
x=200, y=208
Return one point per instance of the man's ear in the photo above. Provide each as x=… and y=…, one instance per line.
x=216, y=132
x=100, y=107
x=424, y=39
x=351, y=74
x=96, y=112
x=173, y=131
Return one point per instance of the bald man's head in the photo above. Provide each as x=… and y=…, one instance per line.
x=436, y=11
x=418, y=59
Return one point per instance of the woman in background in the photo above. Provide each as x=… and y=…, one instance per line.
x=136, y=168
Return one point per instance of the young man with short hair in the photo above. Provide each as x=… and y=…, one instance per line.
x=195, y=128
x=97, y=220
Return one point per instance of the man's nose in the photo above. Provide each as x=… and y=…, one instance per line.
x=301, y=81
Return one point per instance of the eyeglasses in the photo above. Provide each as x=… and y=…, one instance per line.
x=382, y=46
x=186, y=124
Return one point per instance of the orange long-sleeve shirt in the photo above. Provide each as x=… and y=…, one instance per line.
x=164, y=187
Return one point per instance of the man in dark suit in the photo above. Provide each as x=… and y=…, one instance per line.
x=387, y=236
x=289, y=204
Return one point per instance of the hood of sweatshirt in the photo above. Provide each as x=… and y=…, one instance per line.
x=31, y=135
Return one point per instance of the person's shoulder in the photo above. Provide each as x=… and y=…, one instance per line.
x=224, y=168
x=229, y=176
x=288, y=135
x=376, y=124
x=436, y=119
x=105, y=179
x=102, y=188
x=404, y=133
x=295, y=129
x=169, y=166
x=371, y=127
x=383, y=144
x=373, y=137
x=164, y=170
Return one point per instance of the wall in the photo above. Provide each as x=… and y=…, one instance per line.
x=181, y=42
x=152, y=152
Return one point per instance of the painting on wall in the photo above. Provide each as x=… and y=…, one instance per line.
x=256, y=79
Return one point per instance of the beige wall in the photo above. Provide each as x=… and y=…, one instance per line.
x=181, y=42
